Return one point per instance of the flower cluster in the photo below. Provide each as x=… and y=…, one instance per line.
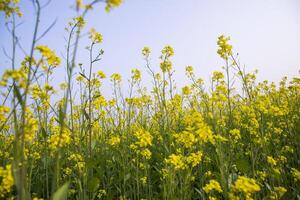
x=225, y=49
x=246, y=186
x=143, y=140
x=7, y=181
x=50, y=56
x=59, y=138
x=95, y=36
x=9, y=7
x=112, y=4
x=213, y=185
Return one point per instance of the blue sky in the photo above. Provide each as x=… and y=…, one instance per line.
x=265, y=33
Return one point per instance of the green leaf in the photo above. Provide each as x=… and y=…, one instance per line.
x=93, y=184
x=200, y=193
x=127, y=177
x=18, y=95
x=243, y=165
x=85, y=114
x=44, y=133
x=62, y=192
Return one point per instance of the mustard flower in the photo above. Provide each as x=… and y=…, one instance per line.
x=168, y=51
x=245, y=185
x=225, y=49
x=296, y=174
x=114, y=140
x=136, y=74
x=194, y=158
x=176, y=161
x=46, y=52
x=95, y=36
x=116, y=77
x=213, y=185
x=112, y=4
x=7, y=180
x=146, y=51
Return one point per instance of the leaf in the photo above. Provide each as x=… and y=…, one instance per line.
x=243, y=165
x=18, y=95
x=94, y=142
x=199, y=192
x=44, y=133
x=61, y=116
x=62, y=192
x=268, y=186
x=93, y=184
x=85, y=114
x=127, y=177
x=91, y=163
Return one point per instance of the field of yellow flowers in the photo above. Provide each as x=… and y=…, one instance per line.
x=230, y=141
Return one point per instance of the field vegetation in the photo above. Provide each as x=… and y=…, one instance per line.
x=231, y=138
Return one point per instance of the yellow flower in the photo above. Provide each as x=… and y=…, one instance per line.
x=114, y=141
x=95, y=36
x=80, y=21
x=46, y=52
x=217, y=76
x=278, y=193
x=146, y=51
x=194, y=158
x=9, y=7
x=3, y=112
x=79, y=4
x=79, y=161
x=112, y=4
x=245, y=185
x=271, y=161
x=235, y=135
x=166, y=66
x=189, y=71
x=136, y=75
x=143, y=180
x=187, y=138
x=59, y=138
x=211, y=186
x=63, y=86
x=296, y=174
x=36, y=198
x=116, y=77
x=101, y=193
x=101, y=74
x=208, y=173
x=7, y=180
x=225, y=49
x=143, y=137
x=262, y=175
x=168, y=51
x=176, y=161
x=146, y=153
x=186, y=90
x=164, y=173
x=31, y=126
x=67, y=171
x=18, y=75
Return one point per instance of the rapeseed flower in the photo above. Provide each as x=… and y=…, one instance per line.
x=213, y=185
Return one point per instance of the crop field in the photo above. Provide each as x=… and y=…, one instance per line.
x=231, y=138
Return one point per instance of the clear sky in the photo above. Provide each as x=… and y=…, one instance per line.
x=266, y=33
